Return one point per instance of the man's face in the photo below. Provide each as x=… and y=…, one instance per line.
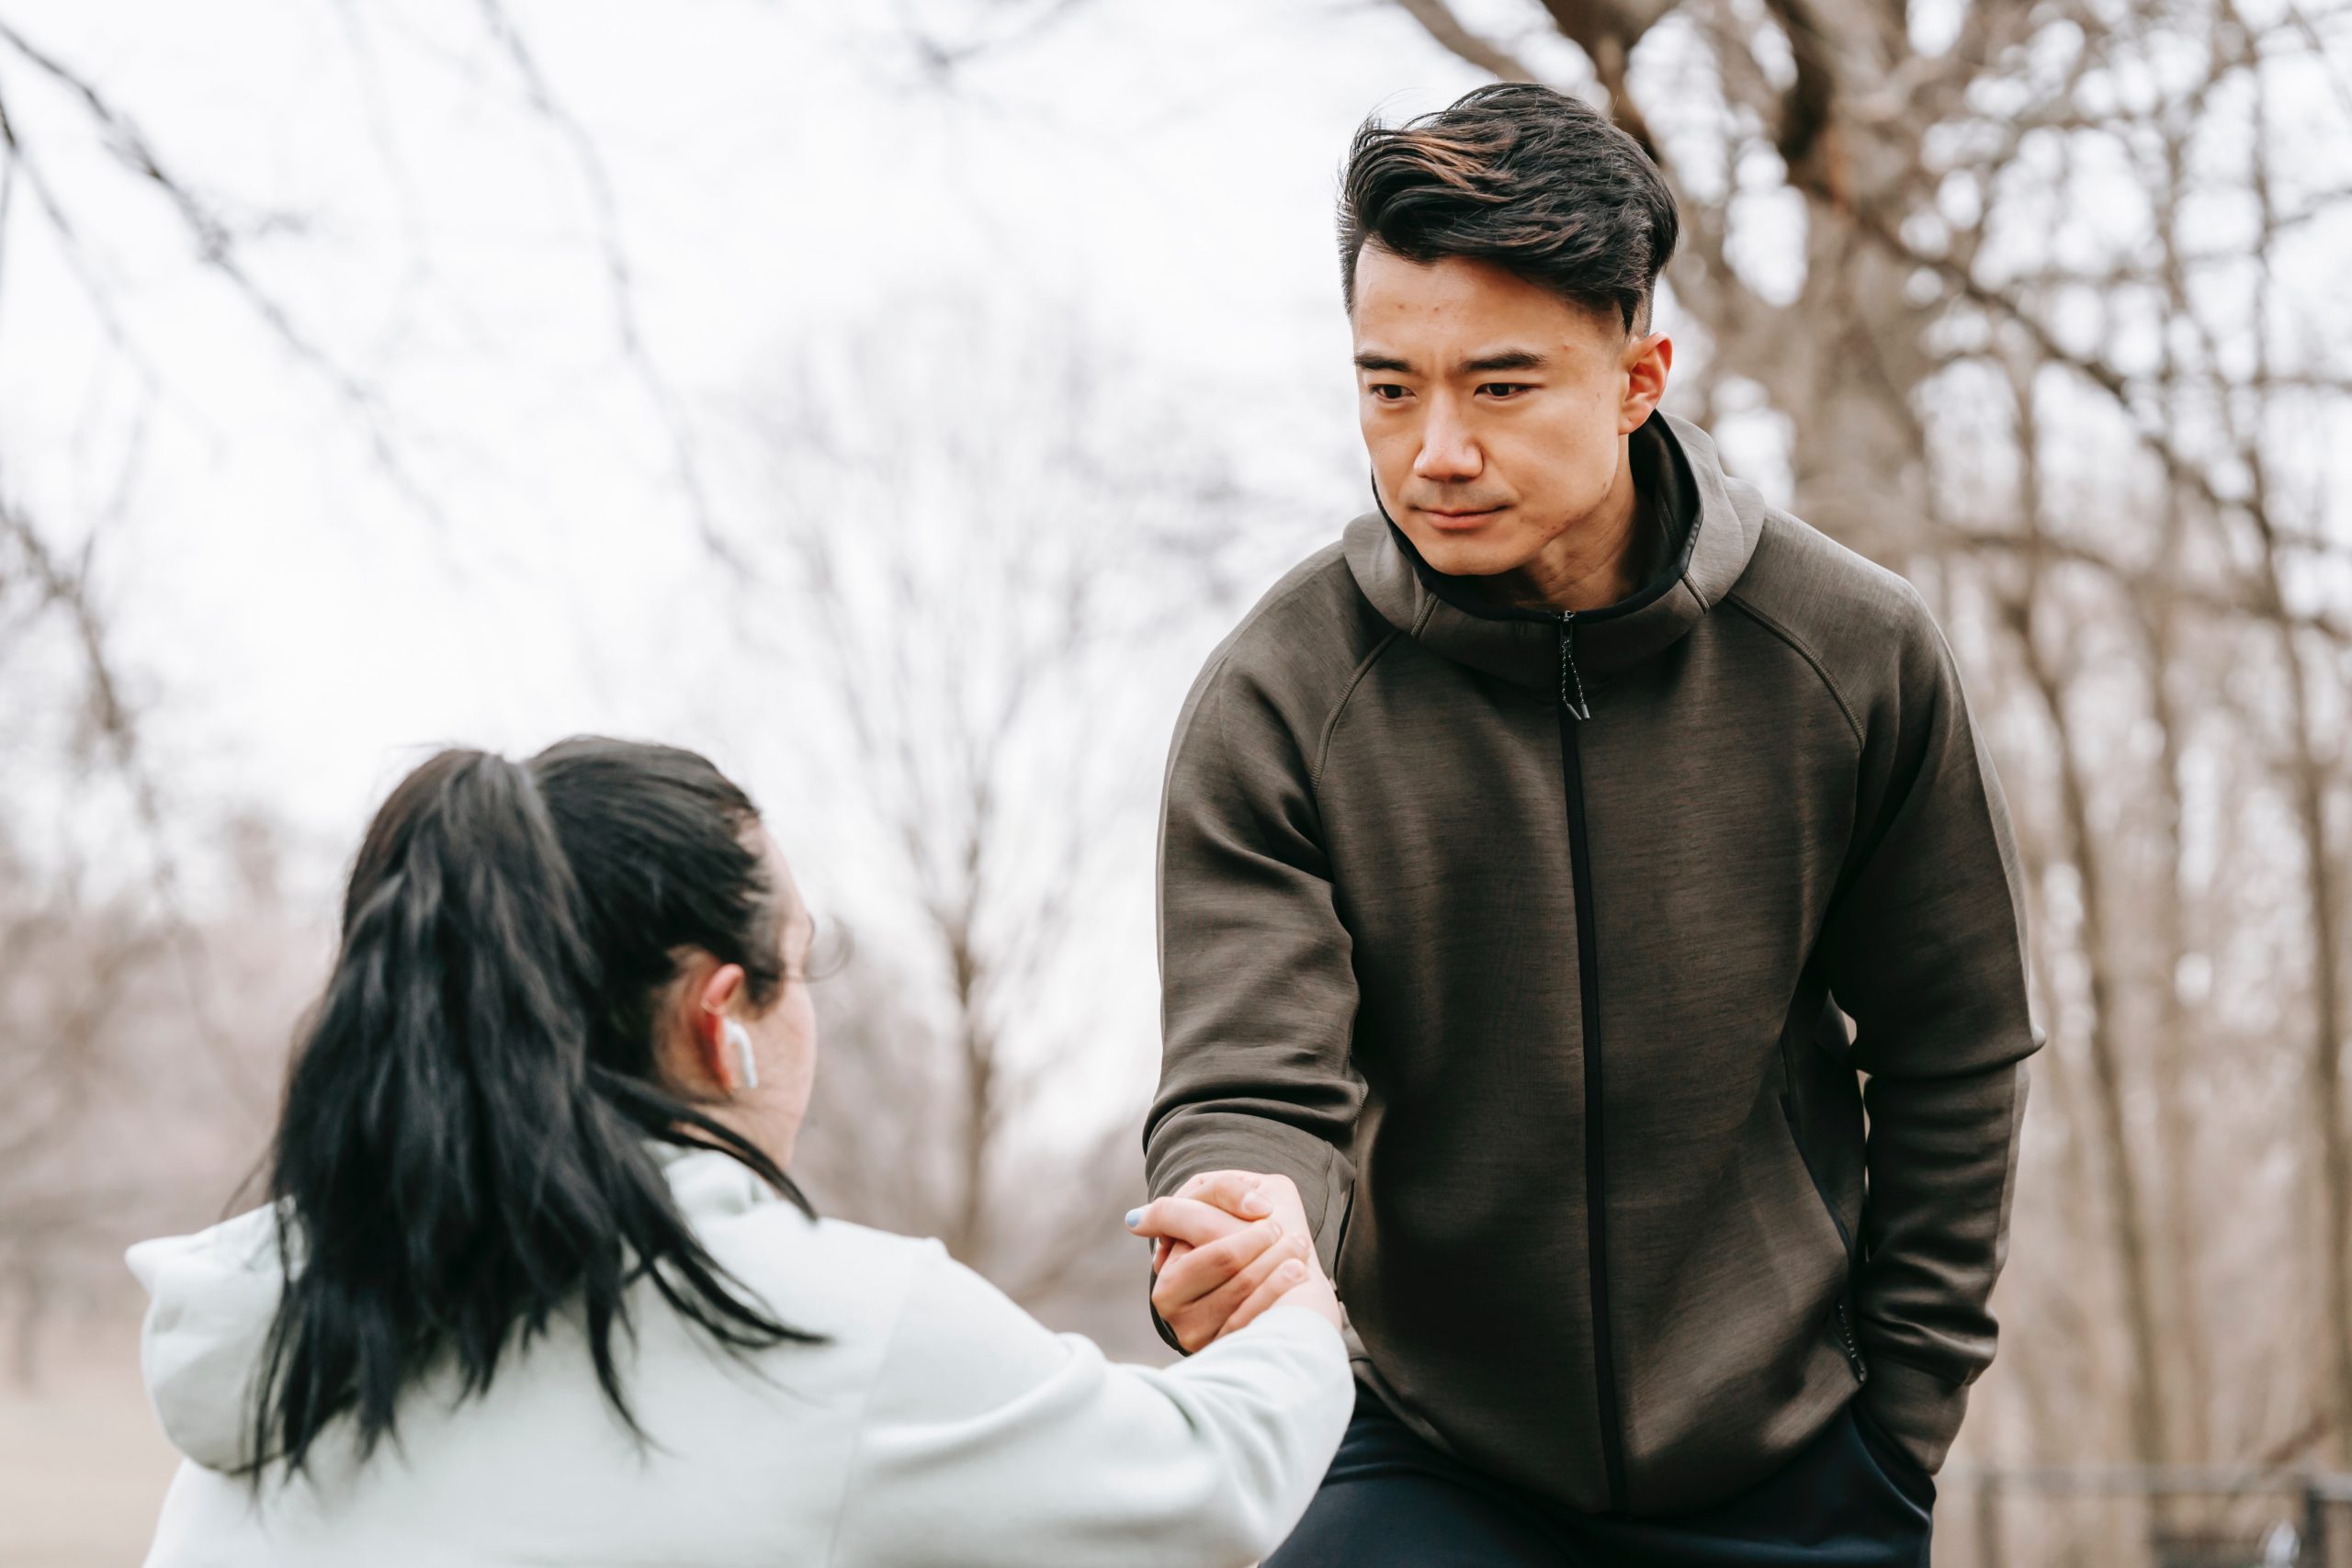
x=1494, y=410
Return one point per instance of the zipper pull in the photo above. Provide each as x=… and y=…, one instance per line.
x=1571, y=679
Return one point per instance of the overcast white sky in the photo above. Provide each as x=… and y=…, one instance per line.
x=301, y=614
x=1162, y=173
x=784, y=179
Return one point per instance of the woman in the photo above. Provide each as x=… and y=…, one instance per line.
x=535, y=1287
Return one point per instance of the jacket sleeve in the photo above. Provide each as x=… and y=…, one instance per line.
x=990, y=1441
x=1258, y=983
x=1925, y=952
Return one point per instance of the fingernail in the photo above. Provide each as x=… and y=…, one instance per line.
x=1255, y=1204
x=1293, y=1269
x=1134, y=1218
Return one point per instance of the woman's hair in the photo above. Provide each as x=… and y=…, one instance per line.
x=463, y=1150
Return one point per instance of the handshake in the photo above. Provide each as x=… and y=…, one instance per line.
x=1226, y=1245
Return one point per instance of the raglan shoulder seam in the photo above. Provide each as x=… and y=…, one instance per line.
x=1332, y=725
x=1214, y=669
x=1804, y=651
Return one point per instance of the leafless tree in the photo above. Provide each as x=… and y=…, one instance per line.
x=989, y=544
x=87, y=938
x=994, y=919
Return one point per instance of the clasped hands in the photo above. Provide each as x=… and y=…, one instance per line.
x=1226, y=1246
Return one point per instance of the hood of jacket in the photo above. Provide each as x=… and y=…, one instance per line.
x=211, y=1300
x=212, y=1296
x=1713, y=522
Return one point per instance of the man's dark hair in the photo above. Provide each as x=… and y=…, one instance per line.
x=1533, y=181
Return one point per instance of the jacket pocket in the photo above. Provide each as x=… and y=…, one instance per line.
x=1841, y=1315
x=1836, y=1221
x=1339, y=1245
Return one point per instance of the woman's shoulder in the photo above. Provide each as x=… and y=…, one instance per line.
x=904, y=1296
x=935, y=1323
x=903, y=1265
x=845, y=1273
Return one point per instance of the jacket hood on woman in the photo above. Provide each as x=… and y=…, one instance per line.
x=936, y=1422
x=211, y=1298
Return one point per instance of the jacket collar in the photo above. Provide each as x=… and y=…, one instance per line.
x=1713, y=523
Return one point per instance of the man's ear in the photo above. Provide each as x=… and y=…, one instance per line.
x=1648, y=359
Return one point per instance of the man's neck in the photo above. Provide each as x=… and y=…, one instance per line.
x=1594, y=561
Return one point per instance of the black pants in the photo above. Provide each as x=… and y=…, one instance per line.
x=1850, y=1498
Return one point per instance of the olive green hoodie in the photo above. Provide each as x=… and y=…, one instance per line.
x=1528, y=945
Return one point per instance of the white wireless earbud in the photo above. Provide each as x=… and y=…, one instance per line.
x=740, y=1038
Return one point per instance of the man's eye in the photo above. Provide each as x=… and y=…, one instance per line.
x=1504, y=389
x=1387, y=391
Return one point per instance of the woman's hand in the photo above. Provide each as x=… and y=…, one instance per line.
x=1230, y=1244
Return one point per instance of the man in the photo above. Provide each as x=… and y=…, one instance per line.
x=1525, y=857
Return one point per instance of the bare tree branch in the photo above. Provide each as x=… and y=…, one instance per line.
x=620, y=277
x=112, y=717
x=1445, y=28
x=218, y=249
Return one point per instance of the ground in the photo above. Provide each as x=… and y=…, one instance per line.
x=83, y=1464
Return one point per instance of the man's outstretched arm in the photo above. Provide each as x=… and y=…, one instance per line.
x=1925, y=950
x=1258, y=987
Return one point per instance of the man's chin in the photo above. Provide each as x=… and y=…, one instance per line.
x=1480, y=553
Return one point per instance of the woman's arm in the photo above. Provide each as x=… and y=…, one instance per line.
x=990, y=1440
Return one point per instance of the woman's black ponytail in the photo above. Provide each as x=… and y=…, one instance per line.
x=463, y=1153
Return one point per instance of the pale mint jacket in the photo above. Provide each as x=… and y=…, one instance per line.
x=938, y=1424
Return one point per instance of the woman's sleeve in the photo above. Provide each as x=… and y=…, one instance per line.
x=989, y=1439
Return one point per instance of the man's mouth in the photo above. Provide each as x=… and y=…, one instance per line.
x=1457, y=516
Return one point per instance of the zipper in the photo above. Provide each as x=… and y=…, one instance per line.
x=1853, y=1352
x=1571, y=678
x=1574, y=710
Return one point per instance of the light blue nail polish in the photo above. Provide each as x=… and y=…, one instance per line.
x=1134, y=1218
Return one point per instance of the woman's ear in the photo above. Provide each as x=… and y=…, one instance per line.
x=718, y=1058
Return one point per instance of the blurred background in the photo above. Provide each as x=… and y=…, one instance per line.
x=896, y=400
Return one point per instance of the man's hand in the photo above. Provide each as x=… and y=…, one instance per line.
x=1229, y=1244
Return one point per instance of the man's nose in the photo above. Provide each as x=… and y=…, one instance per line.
x=1448, y=453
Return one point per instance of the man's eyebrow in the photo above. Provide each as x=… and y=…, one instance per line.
x=1509, y=359
x=1485, y=364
